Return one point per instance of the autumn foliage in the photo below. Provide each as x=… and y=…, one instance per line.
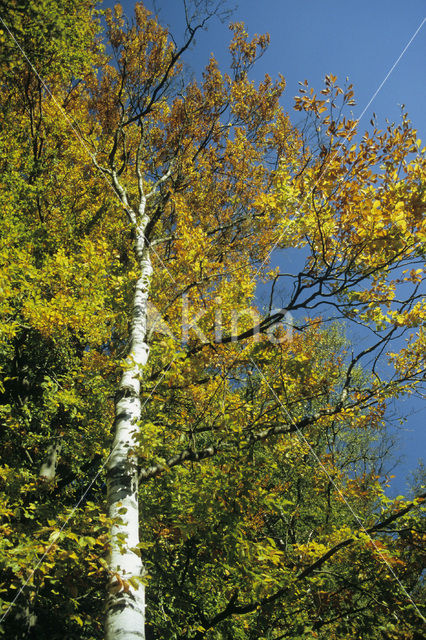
x=260, y=447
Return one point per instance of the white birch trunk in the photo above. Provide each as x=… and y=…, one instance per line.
x=125, y=616
x=25, y=616
x=48, y=468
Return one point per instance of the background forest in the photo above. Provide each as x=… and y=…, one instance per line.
x=176, y=462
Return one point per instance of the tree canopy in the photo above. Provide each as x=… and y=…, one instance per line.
x=178, y=462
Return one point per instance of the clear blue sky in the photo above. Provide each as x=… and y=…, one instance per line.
x=309, y=39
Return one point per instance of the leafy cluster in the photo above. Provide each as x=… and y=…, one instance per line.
x=261, y=452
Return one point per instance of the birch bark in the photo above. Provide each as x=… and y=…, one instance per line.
x=48, y=468
x=125, y=616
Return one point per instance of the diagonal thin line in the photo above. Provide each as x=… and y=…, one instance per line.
x=84, y=145
x=92, y=157
x=301, y=436
x=299, y=432
x=78, y=136
x=357, y=121
x=392, y=68
x=77, y=504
